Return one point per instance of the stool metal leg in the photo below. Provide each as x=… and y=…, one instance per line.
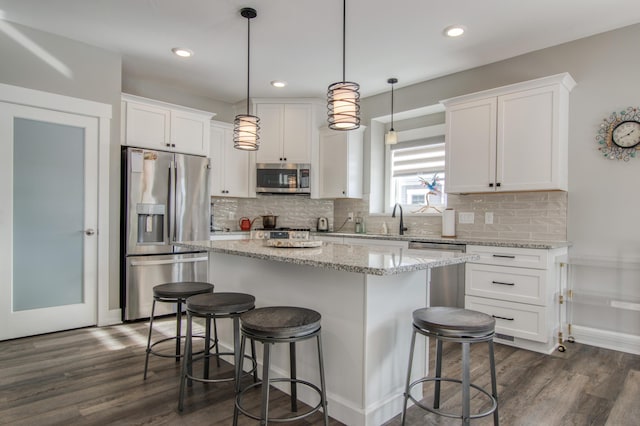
x=436, y=394
x=207, y=348
x=494, y=384
x=466, y=394
x=178, y=329
x=243, y=340
x=294, y=388
x=237, y=355
x=322, y=383
x=266, y=360
x=408, y=381
x=186, y=359
x=253, y=355
x=215, y=341
x=146, y=361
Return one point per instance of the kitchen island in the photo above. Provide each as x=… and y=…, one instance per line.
x=366, y=295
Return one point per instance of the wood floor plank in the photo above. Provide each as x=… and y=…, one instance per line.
x=626, y=410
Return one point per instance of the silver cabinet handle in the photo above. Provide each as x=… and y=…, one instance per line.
x=89, y=231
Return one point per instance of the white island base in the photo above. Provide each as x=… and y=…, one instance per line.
x=366, y=330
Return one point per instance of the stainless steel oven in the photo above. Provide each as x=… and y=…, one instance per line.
x=282, y=178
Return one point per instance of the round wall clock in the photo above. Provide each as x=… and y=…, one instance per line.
x=619, y=134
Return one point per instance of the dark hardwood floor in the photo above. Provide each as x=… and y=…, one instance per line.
x=93, y=376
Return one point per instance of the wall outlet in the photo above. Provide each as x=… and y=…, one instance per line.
x=488, y=218
x=466, y=217
x=350, y=217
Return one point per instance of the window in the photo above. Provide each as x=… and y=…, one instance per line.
x=417, y=175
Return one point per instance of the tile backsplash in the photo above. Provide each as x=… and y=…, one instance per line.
x=516, y=215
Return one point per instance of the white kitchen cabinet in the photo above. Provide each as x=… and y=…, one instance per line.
x=341, y=163
x=229, y=175
x=285, y=132
x=167, y=127
x=520, y=288
x=513, y=138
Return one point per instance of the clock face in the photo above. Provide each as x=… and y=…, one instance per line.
x=626, y=134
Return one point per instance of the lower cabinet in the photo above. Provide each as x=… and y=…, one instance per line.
x=520, y=288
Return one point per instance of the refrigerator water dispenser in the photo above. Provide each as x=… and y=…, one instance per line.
x=150, y=223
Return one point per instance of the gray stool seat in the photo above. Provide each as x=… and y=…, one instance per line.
x=174, y=292
x=212, y=306
x=454, y=322
x=221, y=303
x=464, y=326
x=181, y=290
x=281, y=322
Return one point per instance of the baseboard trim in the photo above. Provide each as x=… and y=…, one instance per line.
x=112, y=317
x=606, y=339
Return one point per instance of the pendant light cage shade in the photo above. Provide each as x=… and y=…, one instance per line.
x=246, y=130
x=246, y=127
x=344, y=105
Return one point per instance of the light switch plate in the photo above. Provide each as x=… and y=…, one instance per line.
x=466, y=217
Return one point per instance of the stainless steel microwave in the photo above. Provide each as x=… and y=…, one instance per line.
x=282, y=178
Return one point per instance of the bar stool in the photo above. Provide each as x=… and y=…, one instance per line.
x=463, y=326
x=177, y=293
x=212, y=306
x=281, y=324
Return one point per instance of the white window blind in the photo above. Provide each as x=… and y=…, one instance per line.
x=418, y=157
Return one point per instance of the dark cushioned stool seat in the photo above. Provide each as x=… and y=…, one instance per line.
x=281, y=321
x=221, y=303
x=181, y=290
x=454, y=322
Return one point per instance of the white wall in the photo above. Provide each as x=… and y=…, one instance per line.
x=604, y=199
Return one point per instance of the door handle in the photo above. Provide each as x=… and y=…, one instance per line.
x=89, y=231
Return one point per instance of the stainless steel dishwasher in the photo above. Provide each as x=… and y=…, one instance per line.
x=447, y=282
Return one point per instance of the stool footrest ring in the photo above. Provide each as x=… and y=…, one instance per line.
x=254, y=367
x=173, y=355
x=493, y=400
x=281, y=419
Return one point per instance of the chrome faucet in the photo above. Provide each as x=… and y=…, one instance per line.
x=393, y=214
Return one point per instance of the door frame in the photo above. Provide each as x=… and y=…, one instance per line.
x=103, y=112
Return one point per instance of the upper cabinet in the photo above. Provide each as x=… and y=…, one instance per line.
x=229, y=175
x=162, y=126
x=286, y=132
x=513, y=138
x=341, y=163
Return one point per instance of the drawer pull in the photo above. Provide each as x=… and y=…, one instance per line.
x=501, y=283
x=506, y=256
x=504, y=318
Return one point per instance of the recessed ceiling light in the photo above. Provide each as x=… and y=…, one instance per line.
x=182, y=52
x=278, y=83
x=454, y=31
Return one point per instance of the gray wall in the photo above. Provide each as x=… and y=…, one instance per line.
x=94, y=75
x=604, y=200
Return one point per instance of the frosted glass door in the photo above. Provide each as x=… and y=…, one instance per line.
x=52, y=198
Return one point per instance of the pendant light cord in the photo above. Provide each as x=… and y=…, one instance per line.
x=391, y=106
x=344, y=43
x=248, y=58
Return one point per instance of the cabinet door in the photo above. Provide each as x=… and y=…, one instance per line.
x=147, y=126
x=296, y=145
x=471, y=146
x=229, y=166
x=271, y=133
x=189, y=133
x=528, y=140
x=333, y=169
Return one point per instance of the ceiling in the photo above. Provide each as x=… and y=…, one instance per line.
x=300, y=41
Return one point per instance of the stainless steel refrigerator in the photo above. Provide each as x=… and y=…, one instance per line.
x=165, y=198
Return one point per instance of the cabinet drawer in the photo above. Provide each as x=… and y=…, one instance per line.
x=509, y=256
x=513, y=319
x=501, y=282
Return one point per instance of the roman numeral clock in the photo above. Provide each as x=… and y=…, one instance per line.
x=619, y=135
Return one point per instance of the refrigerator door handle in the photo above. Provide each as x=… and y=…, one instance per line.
x=168, y=262
x=172, y=201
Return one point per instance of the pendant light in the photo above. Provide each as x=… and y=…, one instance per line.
x=247, y=126
x=391, y=137
x=343, y=97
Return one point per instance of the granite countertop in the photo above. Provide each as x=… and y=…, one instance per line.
x=473, y=241
x=376, y=260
